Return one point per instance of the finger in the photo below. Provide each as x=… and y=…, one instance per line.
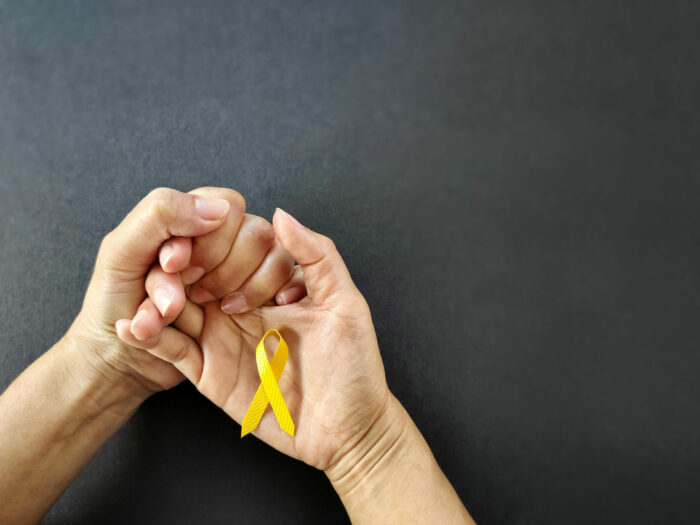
x=255, y=238
x=167, y=292
x=293, y=290
x=175, y=253
x=164, y=302
x=191, y=320
x=275, y=270
x=171, y=345
x=147, y=323
x=163, y=213
x=325, y=273
x=208, y=251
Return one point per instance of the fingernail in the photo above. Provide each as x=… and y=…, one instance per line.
x=140, y=315
x=211, y=209
x=166, y=252
x=287, y=295
x=234, y=303
x=163, y=297
x=192, y=274
x=200, y=295
x=289, y=217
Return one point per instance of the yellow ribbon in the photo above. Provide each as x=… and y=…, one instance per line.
x=269, y=390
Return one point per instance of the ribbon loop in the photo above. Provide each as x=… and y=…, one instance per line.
x=269, y=390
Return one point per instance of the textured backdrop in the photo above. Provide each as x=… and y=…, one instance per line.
x=514, y=186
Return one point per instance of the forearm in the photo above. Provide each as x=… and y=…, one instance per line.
x=391, y=477
x=54, y=416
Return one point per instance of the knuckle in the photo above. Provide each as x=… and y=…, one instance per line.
x=217, y=280
x=237, y=204
x=258, y=230
x=159, y=193
x=214, y=281
x=179, y=353
x=153, y=278
x=159, y=203
x=237, y=201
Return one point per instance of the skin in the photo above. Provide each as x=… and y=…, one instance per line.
x=60, y=410
x=122, y=348
x=348, y=423
x=241, y=258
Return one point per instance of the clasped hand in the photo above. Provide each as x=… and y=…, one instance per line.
x=222, y=278
x=184, y=288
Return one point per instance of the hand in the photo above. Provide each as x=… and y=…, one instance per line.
x=117, y=285
x=60, y=410
x=241, y=261
x=333, y=383
x=347, y=421
x=161, y=226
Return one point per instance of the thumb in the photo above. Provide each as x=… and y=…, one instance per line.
x=325, y=273
x=164, y=213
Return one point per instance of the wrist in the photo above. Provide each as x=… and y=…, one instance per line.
x=55, y=416
x=392, y=477
x=376, y=455
x=97, y=381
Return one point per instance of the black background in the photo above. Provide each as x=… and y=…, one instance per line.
x=514, y=186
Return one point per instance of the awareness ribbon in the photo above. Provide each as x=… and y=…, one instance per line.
x=269, y=390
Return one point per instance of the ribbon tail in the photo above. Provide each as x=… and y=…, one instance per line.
x=255, y=412
x=279, y=407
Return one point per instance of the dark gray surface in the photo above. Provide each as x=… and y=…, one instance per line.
x=514, y=186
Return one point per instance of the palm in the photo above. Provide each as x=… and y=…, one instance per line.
x=333, y=382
